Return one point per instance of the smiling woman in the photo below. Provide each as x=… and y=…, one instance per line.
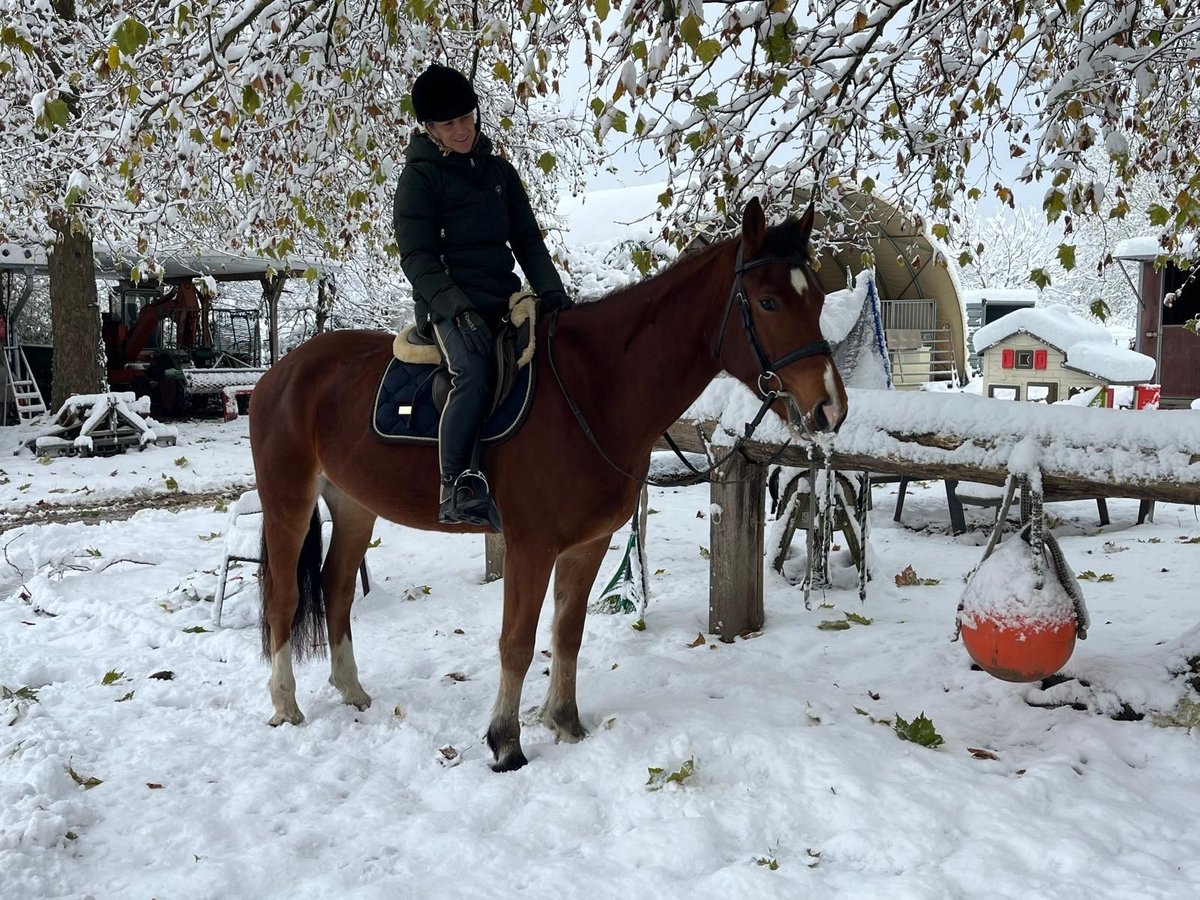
x=462, y=221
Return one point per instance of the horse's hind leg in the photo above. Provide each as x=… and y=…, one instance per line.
x=573, y=578
x=526, y=574
x=352, y=528
x=290, y=603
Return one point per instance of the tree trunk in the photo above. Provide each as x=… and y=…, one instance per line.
x=78, y=348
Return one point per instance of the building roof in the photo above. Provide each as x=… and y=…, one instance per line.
x=1146, y=248
x=1089, y=347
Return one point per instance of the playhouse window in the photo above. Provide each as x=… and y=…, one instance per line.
x=1004, y=391
x=1024, y=359
x=1042, y=391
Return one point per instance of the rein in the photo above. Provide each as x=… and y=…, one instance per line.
x=766, y=373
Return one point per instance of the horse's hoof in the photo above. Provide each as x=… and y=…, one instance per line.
x=355, y=696
x=506, y=750
x=566, y=728
x=292, y=718
x=510, y=762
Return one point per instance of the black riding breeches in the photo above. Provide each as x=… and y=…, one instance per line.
x=471, y=389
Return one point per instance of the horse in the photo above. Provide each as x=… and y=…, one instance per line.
x=626, y=367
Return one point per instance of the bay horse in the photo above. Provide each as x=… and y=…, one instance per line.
x=631, y=363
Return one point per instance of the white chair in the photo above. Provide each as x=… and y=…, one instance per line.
x=243, y=543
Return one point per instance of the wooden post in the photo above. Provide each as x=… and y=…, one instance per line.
x=493, y=557
x=735, y=572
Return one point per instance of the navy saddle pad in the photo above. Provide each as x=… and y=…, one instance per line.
x=405, y=411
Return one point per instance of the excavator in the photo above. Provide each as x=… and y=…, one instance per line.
x=177, y=348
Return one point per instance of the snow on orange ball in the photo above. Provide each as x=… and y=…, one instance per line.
x=1014, y=630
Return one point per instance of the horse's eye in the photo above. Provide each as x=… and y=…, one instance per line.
x=768, y=303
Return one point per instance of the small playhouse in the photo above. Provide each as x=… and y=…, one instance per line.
x=1050, y=353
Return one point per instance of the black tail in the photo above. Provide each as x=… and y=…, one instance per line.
x=308, y=625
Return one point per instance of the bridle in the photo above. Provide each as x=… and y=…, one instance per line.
x=766, y=372
x=766, y=368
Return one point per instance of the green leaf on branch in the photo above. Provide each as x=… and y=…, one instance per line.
x=1100, y=310
x=689, y=30
x=1054, y=205
x=1158, y=214
x=1040, y=278
x=1066, y=256
x=131, y=35
x=546, y=162
x=10, y=38
x=56, y=113
x=250, y=100
x=920, y=731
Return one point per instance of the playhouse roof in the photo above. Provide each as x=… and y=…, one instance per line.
x=1089, y=346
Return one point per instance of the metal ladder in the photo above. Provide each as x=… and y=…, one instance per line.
x=20, y=387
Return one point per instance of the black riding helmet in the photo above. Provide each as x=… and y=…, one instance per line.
x=440, y=94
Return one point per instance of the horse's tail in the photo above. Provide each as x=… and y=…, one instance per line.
x=308, y=624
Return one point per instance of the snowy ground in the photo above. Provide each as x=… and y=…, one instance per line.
x=186, y=793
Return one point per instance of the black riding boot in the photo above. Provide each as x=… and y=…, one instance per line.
x=466, y=498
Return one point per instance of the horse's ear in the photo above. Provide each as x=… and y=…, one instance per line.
x=806, y=223
x=754, y=227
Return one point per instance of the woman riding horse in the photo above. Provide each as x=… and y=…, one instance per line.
x=461, y=213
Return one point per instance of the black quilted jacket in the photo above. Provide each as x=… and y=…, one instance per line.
x=460, y=219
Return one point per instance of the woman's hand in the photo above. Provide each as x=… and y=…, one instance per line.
x=474, y=332
x=552, y=300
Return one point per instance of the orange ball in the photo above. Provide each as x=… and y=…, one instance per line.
x=1019, y=651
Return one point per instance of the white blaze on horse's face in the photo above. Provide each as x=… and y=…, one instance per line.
x=832, y=409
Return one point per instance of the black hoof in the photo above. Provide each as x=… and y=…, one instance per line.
x=510, y=763
x=506, y=750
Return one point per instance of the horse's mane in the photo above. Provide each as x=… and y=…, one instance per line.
x=785, y=239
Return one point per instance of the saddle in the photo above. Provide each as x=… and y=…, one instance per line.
x=416, y=382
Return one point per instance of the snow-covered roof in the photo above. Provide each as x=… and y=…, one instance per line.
x=1088, y=345
x=1000, y=295
x=1147, y=247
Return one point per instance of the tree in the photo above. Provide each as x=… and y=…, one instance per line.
x=252, y=127
x=927, y=99
x=277, y=128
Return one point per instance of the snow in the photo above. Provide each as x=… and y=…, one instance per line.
x=1089, y=346
x=198, y=798
x=999, y=295
x=1149, y=247
x=1005, y=589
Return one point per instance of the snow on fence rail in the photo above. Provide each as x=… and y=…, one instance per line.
x=1080, y=452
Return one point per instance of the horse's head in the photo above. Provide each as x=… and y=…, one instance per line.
x=780, y=310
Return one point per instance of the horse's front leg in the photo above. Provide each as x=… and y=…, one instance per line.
x=573, y=578
x=526, y=574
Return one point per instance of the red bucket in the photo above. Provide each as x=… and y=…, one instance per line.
x=1145, y=396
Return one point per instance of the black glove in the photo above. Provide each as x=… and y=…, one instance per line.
x=552, y=300
x=474, y=331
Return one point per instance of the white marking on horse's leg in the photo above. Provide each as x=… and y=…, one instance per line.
x=561, y=712
x=283, y=688
x=343, y=675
